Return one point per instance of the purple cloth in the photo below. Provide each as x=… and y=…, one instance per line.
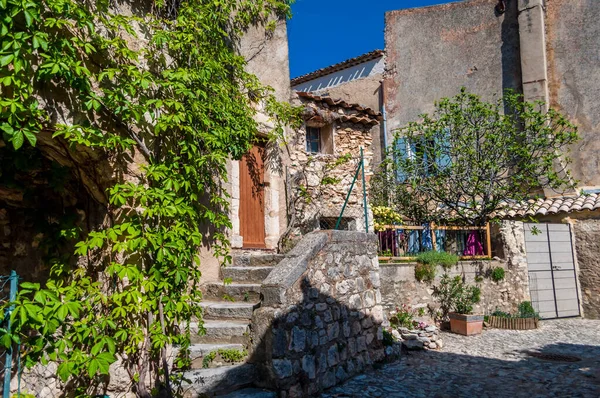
x=474, y=245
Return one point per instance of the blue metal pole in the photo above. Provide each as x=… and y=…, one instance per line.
x=8, y=363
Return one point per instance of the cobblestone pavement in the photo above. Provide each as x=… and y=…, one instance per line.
x=492, y=365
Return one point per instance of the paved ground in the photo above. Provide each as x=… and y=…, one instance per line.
x=492, y=365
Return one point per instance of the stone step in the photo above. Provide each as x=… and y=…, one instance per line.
x=229, y=310
x=199, y=351
x=251, y=393
x=246, y=274
x=256, y=260
x=222, y=332
x=212, y=381
x=244, y=292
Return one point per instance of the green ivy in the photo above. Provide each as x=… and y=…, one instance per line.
x=177, y=96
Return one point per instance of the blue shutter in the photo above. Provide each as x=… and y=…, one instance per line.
x=443, y=147
x=402, y=154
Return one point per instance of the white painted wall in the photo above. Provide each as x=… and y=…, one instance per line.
x=334, y=79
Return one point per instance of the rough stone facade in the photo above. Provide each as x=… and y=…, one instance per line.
x=587, y=246
x=320, y=321
x=399, y=285
x=319, y=182
x=358, y=83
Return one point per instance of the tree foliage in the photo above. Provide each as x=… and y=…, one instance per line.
x=164, y=83
x=471, y=159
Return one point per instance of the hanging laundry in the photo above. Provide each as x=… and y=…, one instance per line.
x=474, y=245
x=413, y=242
x=440, y=240
x=426, y=241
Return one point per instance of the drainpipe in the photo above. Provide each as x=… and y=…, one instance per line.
x=384, y=123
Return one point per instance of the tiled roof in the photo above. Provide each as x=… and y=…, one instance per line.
x=364, y=115
x=337, y=67
x=549, y=206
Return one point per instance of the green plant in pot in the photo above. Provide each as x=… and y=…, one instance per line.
x=456, y=303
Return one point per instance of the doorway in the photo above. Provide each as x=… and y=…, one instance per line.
x=552, y=275
x=252, y=198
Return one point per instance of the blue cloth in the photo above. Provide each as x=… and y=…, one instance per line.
x=426, y=241
x=413, y=242
x=440, y=240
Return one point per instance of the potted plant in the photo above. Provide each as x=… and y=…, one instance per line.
x=456, y=303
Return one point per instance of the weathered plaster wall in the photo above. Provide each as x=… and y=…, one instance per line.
x=587, y=245
x=320, y=321
x=432, y=51
x=344, y=77
x=573, y=52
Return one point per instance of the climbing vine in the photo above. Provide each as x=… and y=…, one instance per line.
x=160, y=89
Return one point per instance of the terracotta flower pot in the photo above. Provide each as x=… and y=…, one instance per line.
x=467, y=325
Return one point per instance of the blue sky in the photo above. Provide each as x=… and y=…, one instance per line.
x=325, y=32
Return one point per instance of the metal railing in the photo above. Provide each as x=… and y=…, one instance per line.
x=8, y=287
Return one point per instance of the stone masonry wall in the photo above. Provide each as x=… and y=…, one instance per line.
x=399, y=285
x=320, y=321
x=320, y=182
x=587, y=245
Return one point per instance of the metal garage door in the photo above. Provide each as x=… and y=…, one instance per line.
x=552, y=280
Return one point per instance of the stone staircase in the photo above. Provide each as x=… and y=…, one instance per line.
x=228, y=307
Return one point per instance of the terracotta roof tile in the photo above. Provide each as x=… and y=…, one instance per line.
x=548, y=206
x=364, y=115
x=337, y=67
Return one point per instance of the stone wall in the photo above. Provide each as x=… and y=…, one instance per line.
x=399, y=285
x=320, y=320
x=320, y=182
x=587, y=245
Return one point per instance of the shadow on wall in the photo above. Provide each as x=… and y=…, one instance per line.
x=320, y=320
x=317, y=343
x=510, y=50
x=573, y=371
x=313, y=345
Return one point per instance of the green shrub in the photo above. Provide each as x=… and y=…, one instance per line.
x=443, y=259
x=526, y=310
x=497, y=274
x=424, y=272
x=453, y=295
x=402, y=317
x=388, y=339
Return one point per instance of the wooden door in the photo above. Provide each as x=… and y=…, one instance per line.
x=252, y=204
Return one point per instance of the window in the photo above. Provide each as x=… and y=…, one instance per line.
x=313, y=139
x=319, y=139
x=425, y=156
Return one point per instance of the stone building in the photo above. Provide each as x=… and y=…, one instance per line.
x=357, y=80
x=325, y=155
x=545, y=49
